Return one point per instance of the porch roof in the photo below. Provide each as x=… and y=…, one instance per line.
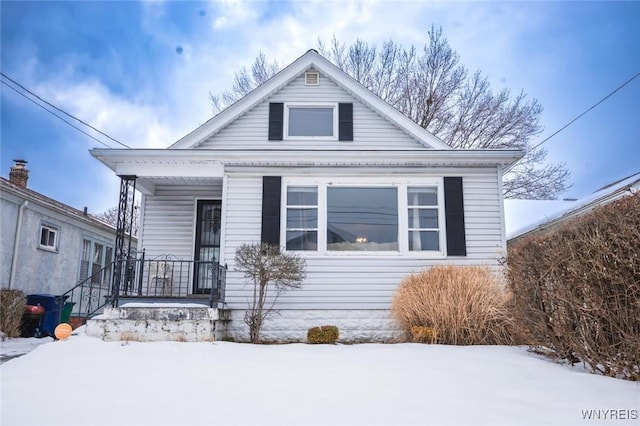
x=204, y=166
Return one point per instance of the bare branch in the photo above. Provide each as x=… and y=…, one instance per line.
x=435, y=90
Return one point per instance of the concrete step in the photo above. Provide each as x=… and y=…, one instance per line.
x=153, y=322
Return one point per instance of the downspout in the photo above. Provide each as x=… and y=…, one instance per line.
x=16, y=242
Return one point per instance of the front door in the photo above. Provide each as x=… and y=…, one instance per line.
x=207, y=250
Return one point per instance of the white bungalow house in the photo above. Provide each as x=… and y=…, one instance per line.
x=314, y=162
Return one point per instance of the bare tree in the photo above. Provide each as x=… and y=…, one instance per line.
x=435, y=90
x=110, y=216
x=271, y=272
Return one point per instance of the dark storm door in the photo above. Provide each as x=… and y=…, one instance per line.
x=207, y=250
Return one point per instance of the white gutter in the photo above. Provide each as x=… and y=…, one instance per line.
x=114, y=159
x=16, y=242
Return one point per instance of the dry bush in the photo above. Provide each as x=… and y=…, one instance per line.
x=461, y=306
x=577, y=288
x=12, y=303
x=421, y=334
x=323, y=334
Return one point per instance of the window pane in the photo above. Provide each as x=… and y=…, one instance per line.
x=302, y=218
x=422, y=196
x=86, y=248
x=52, y=238
x=44, y=236
x=310, y=122
x=362, y=219
x=302, y=240
x=423, y=218
x=424, y=240
x=302, y=196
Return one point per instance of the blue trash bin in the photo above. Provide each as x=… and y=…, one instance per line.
x=52, y=305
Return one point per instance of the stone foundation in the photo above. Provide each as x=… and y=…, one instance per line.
x=292, y=325
x=159, y=323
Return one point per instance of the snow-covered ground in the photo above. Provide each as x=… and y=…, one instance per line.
x=11, y=348
x=85, y=381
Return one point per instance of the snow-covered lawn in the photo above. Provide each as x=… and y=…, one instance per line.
x=84, y=381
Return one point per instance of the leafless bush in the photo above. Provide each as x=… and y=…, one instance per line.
x=577, y=288
x=265, y=264
x=460, y=306
x=12, y=303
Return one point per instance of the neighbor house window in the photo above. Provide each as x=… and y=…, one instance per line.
x=362, y=219
x=48, y=237
x=95, y=262
x=423, y=224
x=302, y=218
x=311, y=121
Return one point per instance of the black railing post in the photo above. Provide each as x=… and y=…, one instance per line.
x=121, y=230
x=140, y=273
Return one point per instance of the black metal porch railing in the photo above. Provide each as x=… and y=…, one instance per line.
x=162, y=277
x=167, y=276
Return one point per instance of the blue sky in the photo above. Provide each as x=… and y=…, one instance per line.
x=142, y=72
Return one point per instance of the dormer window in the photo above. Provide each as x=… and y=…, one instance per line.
x=311, y=121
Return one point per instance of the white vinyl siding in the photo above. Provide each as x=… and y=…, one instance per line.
x=361, y=281
x=370, y=130
x=169, y=219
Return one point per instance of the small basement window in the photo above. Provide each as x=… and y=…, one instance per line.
x=48, y=237
x=311, y=121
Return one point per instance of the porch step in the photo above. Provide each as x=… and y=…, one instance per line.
x=153, y=322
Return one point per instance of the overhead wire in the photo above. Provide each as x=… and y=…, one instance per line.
x=589, y=109
x=59, y=109
x=54, y=114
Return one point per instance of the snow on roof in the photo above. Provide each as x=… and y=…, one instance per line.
x=539, y=214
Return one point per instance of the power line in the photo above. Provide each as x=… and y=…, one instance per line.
x=58, y=109
x=592, y=107
x=52, y=113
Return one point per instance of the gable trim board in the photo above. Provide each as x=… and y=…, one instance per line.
x=311, y=59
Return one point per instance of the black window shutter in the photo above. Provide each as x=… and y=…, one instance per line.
x=276, y=121
x=271, y=190
x=345, y=122
x=454, y=216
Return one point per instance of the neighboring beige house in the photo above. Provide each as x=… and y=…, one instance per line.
x=46, y=246
x=314, y=162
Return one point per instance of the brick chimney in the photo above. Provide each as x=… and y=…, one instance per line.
x=19, y=174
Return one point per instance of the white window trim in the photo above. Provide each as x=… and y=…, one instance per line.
x=56, y=237
x=287, y=105
x=403, y=229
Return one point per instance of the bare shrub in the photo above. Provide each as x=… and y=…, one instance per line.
x=272, y=272
x=12, y=303
x=577, y=288
x=461, y=306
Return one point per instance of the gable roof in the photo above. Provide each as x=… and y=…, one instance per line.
x=561, y=213
x=311, y=59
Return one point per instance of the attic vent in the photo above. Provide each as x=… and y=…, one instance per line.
x=312, y=78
